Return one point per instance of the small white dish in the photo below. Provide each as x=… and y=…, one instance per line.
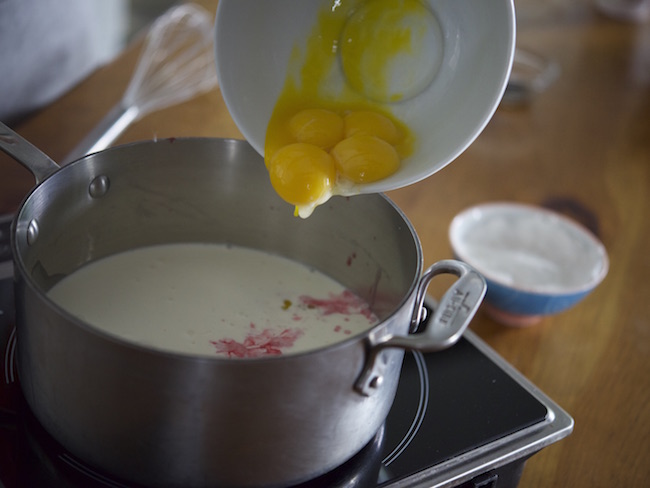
x=536, y=262
x=471, y=43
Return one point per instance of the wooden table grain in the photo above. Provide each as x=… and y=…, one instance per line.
x=582, y=146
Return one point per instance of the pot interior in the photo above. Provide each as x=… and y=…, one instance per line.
x=209, y=191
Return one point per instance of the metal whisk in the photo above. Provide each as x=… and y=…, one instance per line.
x=176, y=64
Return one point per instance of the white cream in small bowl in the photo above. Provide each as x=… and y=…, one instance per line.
x=536, y=262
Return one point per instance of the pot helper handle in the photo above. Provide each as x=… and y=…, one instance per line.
x=443, y=329
x=453, y=313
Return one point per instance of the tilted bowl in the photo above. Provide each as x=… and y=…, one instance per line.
x=468, y=60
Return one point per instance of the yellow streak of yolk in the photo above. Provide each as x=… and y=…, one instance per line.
x=371, y=40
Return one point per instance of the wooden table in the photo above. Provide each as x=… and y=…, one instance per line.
x=582, y=146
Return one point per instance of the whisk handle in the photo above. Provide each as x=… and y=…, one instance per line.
x=105, y=132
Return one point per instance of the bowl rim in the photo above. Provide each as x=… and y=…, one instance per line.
x=545, y=291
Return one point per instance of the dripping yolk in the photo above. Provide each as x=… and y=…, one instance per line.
x=371, y=124
x=322, y=128
x=365, y=158
x=302, y=174
x=314, y=153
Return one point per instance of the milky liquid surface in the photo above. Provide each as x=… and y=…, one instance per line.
x=215, y=300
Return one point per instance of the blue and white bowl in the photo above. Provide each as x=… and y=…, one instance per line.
x=535, y=261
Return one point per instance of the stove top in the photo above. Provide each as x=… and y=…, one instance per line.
x=461, y=417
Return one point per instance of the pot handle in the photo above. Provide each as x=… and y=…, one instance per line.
x=23, y=151
x=443, y=329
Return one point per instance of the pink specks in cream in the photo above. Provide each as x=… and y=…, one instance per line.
x=338, y=328
x=345, y=303
x=268, y=342
x=310, y=311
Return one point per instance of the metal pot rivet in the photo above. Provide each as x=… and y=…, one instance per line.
x=376, y=382
x=32, y=232
x=99, y=186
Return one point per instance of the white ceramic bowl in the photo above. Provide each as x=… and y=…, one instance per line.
x=471, y=51
x=536, y=262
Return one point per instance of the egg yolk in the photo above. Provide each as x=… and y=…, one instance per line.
x=320, y=127
x=365, y=158
x=371, y=124
x=303, y=175
x=358, y=59
x=322, y=153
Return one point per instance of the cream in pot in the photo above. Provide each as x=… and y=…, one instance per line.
x=214, y=300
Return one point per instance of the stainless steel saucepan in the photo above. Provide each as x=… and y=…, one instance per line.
x=160, y=418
